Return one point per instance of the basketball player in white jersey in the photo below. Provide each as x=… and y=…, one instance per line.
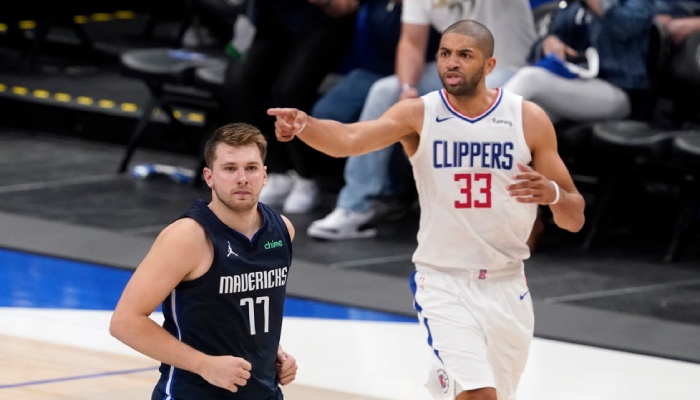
x=483, y=159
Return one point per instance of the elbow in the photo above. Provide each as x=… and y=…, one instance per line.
x=338, y=154
x=577, y=225
x=573, y=224
x=117, y=327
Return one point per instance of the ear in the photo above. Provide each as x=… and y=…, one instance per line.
x=264, y=175
x=489, y=65
x=207, y=173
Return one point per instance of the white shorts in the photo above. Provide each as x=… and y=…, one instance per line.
x=479, y=330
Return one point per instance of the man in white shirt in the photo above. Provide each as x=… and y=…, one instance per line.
x=513, y=27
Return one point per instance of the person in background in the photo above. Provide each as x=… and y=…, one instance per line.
x=296, y=44
x=374, y=57
x=221, y=286
x=618, y=30
x=679, y=17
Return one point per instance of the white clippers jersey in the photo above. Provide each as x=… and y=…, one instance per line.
x=462, y=167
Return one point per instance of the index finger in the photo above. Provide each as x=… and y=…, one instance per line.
x=278, y=111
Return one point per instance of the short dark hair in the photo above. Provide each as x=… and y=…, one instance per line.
x=478, y=31
x=234, y=134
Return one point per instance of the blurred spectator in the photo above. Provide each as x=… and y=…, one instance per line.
x=379, y=27
x=618, y=30
x=679, y=17
x=296, y=44
x=512, y=25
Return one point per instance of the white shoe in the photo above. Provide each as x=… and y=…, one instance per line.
x=343, y=224
x=276, y=190
x=303, y=197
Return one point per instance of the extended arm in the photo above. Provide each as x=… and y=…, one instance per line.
x=536, y=186
x=341, y=140
x=179, y=251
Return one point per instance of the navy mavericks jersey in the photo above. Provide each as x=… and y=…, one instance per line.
x=235, y=308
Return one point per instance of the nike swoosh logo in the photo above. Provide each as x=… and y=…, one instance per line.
x=522, y=296
x=438, y=119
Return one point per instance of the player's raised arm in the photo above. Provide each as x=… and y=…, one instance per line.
x=342, y=140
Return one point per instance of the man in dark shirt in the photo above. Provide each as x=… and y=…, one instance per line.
x=220, y=273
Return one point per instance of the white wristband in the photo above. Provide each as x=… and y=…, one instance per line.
x=556, y=196
x=302, y=127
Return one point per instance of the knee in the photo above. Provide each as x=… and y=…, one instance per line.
x=384, y=90
x=478, y=394
x=528, y=81
x=382, y=95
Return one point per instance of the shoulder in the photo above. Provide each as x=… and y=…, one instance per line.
x=533, y=113
x=272, y=213
x=405, y=117
x=290, y=227
x=184, y=232
x=537, y=127
x=180, y=249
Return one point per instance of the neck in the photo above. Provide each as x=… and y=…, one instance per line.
x=476, y=103
x=246, y=222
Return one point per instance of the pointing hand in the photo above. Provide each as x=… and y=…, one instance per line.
x=289, y=122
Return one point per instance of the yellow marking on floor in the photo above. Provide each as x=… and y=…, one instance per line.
x=78, y=19
x=3, y=87
x=27, y=24
x=106, y=104
x=62, y=97
x=196, y=117
x=124, y=15
x=20, y=90
x=84, y=100
x=129, y=107
x=41, y=94
x=101, y=17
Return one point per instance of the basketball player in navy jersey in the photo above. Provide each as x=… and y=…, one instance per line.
x=483, y=159
x=220, y=272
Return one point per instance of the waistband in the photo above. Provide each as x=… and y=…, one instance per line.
x=513, y=270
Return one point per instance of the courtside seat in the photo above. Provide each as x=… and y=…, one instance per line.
x=210, y=78
x=574, y=143
x=686, y=151
x=628, y=140
x=163, y=65
x=169, y=75
x=626, y=149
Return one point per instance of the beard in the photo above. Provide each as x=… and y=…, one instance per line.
x=466, y=88
x=236, y=206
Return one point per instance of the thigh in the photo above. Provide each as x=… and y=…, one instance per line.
x=508, y=322
x=344, y=101
x=383, y=94
x=454, y=335
x=570, y=99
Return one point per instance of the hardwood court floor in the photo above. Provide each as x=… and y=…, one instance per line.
x=39, y=370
